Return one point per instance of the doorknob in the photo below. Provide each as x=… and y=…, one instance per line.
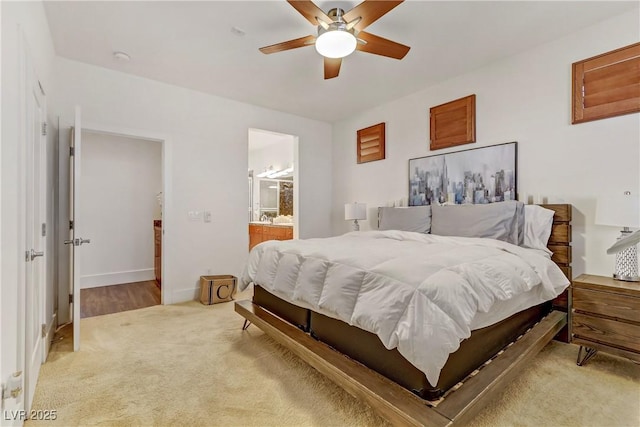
x=33, y=254
x=77, y=242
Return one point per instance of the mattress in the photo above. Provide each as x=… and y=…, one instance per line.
x=418, y=293
x=367, y=349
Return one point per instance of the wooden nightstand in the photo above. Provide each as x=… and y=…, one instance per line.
x=605, y=316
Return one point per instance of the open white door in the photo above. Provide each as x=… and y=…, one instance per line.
x=76, y=241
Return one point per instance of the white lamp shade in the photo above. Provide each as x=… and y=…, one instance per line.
x=618, y=210
x=355, y=211
x=336, y=44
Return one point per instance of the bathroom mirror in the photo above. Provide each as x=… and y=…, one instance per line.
x=268, y=198
x=276, y=198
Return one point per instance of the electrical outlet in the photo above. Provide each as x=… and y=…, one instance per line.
x=207, y=216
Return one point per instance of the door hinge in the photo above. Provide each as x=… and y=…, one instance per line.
x=70, y=298
x=70, y=225
x=72, y=151
x=44, y=128
x=44, y=229
x=44, y=330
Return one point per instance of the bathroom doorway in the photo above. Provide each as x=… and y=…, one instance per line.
x=273, y=190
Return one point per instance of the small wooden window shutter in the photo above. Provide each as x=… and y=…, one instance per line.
x=371, y=143
x=607, y=85
x=453, y=123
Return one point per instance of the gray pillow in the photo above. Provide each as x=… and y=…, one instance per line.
x=414, y=218
x=501, y=221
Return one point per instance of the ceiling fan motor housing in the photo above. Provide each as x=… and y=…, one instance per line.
x=338, y=23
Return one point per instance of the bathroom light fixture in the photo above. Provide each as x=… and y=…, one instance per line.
x=266, y=172
x=278, y=174
x=355, y=211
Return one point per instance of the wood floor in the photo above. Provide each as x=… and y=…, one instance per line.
x=117, y=298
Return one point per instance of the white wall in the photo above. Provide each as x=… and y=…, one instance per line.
x=207, y=164
x=120, y=178
x=525, y=98
x=27, y=18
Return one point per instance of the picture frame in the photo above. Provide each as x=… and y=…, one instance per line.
x=478, y=175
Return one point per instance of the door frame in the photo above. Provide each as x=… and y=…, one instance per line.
x=36, y=174
x=28, y=84
x=65, y=280
x=296, y=174
x=167, y=213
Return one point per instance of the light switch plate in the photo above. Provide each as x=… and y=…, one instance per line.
x=195, y=216
x=207, y=216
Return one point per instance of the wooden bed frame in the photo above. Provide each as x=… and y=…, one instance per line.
x=399, y=405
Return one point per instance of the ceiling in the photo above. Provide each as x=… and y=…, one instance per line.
x=191, y=44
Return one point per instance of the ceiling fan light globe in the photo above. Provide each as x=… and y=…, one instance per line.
x=336, y=44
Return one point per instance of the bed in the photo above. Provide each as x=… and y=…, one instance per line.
x=344, y=351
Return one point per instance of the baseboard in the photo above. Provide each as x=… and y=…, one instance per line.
x=106, y=279
x=49, y=332
x=183, y=295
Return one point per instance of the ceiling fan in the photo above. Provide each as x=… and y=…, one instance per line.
x=340, y=33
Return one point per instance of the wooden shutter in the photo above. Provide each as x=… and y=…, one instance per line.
x=607, y=85
x=453, y=123
x=371, y=143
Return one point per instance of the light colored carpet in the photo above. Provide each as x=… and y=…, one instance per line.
x=191, y=365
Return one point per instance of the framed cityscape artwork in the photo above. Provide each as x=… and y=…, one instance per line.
x=479, y=175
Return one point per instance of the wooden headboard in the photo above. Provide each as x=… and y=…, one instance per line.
x=560, y=239
x=560, y=245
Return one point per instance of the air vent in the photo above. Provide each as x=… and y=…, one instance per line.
x=607, y=85
x=453, y=123
x=371, y=143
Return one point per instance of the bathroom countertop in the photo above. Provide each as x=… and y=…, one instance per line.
x=285, y=224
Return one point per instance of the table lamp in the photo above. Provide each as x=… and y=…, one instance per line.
x=622, y=211
x=355, y=211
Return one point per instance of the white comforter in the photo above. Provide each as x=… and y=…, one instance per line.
x=417, y=292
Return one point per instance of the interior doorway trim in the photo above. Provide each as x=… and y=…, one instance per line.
x=165, y=140
x=296, y=173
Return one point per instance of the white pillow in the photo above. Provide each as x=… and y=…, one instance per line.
x=537, y=227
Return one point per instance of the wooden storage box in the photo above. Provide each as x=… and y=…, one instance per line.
x=215, y=289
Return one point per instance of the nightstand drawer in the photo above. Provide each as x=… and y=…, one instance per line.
x=607, y=304
x=606, y=331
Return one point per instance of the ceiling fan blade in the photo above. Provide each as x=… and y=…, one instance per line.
x=381, y=46
x=331, y=67
x=310, y=11
x=291, y=44
x=370, y=11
